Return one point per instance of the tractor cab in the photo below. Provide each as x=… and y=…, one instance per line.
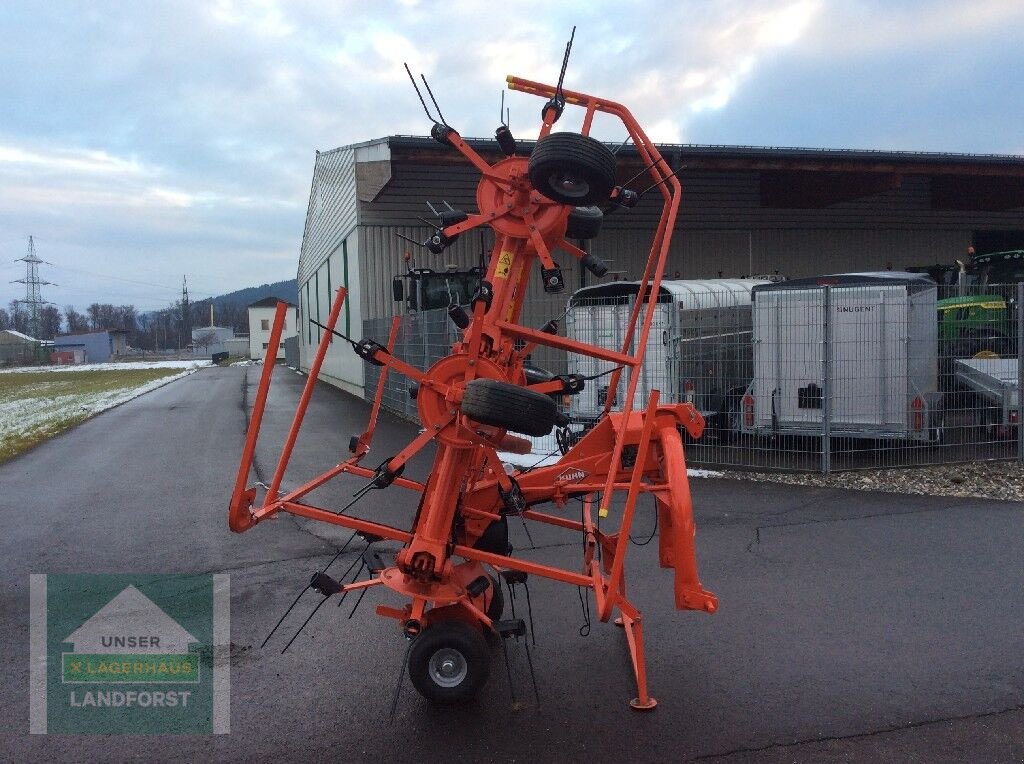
x=998, y=267
x=428, y=289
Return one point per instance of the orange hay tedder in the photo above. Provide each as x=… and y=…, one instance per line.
x=471, y=402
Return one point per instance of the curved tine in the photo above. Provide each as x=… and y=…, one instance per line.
x=418, y=94
x=434, y=100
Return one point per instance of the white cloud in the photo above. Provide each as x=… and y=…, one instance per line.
x=860, y=29
x=68, y=160
x=264, y=18
x=192, y=126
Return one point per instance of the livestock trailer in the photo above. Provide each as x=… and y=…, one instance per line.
x=856, y=353
x=697, y=352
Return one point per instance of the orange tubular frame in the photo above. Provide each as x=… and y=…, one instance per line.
x=628, y=451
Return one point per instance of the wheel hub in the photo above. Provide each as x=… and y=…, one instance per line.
x=433, y=406
x=448, y=667
x=569, y=183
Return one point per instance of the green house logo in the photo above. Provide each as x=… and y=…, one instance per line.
x=130, y=640
x=129, y=654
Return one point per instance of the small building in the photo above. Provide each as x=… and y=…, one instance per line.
x=95, y=347
x=237, y=346
x=17, y=349
x=261, y=319
x=207, y=340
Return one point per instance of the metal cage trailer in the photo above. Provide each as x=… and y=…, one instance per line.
x=698, y=351
x=850, y=355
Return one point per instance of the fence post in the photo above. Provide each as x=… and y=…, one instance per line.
x=826, y=383
x=1020, y=369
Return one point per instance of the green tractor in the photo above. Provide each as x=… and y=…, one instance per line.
x=979, y=320
x=975, y=326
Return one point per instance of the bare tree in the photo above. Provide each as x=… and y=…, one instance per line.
x=19, y=317
x=77, y=322
x=5, y=320
x=49, y=322
x=204, y=340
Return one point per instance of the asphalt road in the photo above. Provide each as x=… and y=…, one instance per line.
x=852, y=626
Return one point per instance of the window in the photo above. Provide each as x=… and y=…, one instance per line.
x=265, y=324
x=266, y=345
x=282, y=346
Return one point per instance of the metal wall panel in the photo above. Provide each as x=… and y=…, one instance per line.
x=332, y=209
x=711, y=200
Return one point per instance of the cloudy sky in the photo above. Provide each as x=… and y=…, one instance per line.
x=140, y=141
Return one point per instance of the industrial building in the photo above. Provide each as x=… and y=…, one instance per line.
x=745, y=211
x=93, y=347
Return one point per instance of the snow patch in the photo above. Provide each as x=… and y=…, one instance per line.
x=23, y=416
x=546, y=459
x=114, y=366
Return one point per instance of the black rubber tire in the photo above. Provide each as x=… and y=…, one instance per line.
x=470, y=650
x=570, y=168
x=584, y=223
x=502, y=404
x=497, y=607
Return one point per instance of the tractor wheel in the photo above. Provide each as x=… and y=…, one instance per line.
x=449, y=662
x=502, y=404
x=570, y=168
x=584, y=223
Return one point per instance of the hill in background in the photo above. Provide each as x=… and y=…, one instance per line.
x=286, y=290
x=230, y=309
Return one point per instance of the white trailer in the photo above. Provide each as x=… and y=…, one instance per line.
x=871, y=339
x=995, y=380
x=697, y=351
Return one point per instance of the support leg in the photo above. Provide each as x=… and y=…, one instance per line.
x=635, y=639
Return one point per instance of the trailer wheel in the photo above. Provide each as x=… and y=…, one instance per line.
x=502, y=404
x=584, y=223
x=570, y=168
x=449, y=662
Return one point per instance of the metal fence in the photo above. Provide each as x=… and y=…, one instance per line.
x=825, y=377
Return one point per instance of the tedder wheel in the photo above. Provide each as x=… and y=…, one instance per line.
x=570, y=168
x=449, y=662
x=502, y=404
x=584, y=223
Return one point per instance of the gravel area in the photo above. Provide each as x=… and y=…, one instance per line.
x=989, y=480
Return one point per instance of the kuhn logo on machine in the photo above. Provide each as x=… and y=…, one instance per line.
x=571, y=475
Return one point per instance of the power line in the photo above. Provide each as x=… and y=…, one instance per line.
x=121, y=278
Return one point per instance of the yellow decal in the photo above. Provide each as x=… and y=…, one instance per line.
x=602, y=512
x=504, y=265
